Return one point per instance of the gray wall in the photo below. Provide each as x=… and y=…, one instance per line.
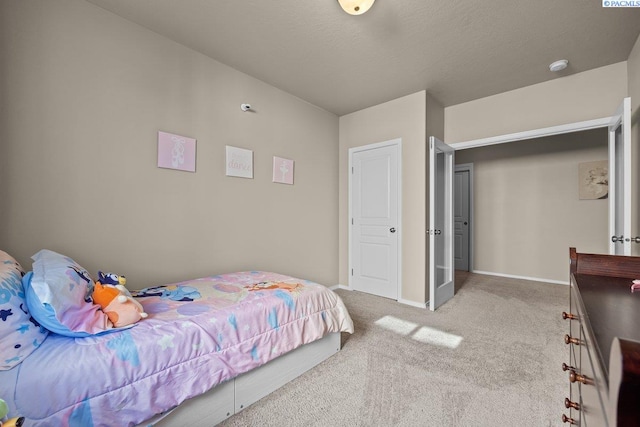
x=526, y=207
x=83, y=95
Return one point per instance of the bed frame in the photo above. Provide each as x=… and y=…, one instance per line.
x=233, y=396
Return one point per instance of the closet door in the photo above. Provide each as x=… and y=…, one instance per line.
x=441, y=278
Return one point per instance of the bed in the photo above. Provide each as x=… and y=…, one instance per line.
x=208, y=348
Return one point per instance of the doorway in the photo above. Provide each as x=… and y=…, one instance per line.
x=375, y=227
x=619, y=129
x=528, y=209
x=462, y=216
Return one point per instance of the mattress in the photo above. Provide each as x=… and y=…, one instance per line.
x=199, y=333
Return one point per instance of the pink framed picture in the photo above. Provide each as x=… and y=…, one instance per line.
x=176, y=152
x=282, y=170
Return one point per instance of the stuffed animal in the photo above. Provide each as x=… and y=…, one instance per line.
x=8, y=422
x=117, y=304
x=115, y=280
x=111, y=279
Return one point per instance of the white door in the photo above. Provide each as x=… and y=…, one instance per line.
x=375, y=228
x=441, y=280
x=620, y=180
x=461, y=219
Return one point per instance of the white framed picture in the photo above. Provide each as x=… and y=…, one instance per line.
x=282, y=170
x=239, y=162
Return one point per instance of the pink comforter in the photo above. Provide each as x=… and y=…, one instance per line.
x=198, y=334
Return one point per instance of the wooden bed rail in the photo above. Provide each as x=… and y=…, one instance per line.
x=604, y=265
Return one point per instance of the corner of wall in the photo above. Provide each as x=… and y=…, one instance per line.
x=434, y=118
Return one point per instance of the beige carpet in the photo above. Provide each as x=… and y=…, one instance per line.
x=491, y=356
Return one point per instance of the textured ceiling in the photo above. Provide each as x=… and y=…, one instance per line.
x=456, y=50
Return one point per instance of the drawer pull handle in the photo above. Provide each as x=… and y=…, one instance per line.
x=570, y=340
x=569, y=316
x=566, y=419
x=566, y=367
x=576, y=377
x=569, y=404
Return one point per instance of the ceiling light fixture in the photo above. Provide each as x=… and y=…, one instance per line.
x=558, y=65
x=356, y=7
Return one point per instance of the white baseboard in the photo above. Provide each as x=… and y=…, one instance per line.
x=400, y=300
x=412, y=303
x=513, y=276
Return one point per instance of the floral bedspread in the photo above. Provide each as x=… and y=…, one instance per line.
x=199, y=333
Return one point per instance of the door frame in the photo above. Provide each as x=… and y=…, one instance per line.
x=603, y=122
x=534, y=133
x=461, y=168
x=620, y=120
x=393, y=142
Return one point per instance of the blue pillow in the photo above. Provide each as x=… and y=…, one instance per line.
x=20, y=333
x=58, y=294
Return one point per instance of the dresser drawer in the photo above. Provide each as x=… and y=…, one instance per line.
x=587, y=384
x=574, y=387
x=593, y=390
x=609, y=315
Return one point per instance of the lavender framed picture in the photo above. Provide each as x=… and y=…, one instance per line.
x=282, y=170
x=176, y=152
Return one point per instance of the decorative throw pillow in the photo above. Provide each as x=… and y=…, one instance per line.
x=20, y=334
x=58, y=293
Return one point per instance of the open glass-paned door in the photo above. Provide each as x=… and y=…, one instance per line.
x=620, y=180
x=441, y=277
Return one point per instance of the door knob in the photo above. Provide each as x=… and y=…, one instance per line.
x=465, y=223
x=393, y=230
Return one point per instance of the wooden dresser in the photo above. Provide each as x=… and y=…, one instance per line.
x=604, y=341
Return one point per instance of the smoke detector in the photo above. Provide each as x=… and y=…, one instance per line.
x=558, y=65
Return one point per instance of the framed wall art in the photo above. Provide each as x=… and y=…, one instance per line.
x=239, y=162
x=176, y=152
x=282, y=170
x=593, y=180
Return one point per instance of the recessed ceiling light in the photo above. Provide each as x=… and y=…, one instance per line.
x=558, y=65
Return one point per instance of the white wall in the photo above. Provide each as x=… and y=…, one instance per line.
x=84, y=93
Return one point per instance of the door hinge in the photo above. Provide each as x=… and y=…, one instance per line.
x=351, y=221
x=352, y=271
x=351, y=169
